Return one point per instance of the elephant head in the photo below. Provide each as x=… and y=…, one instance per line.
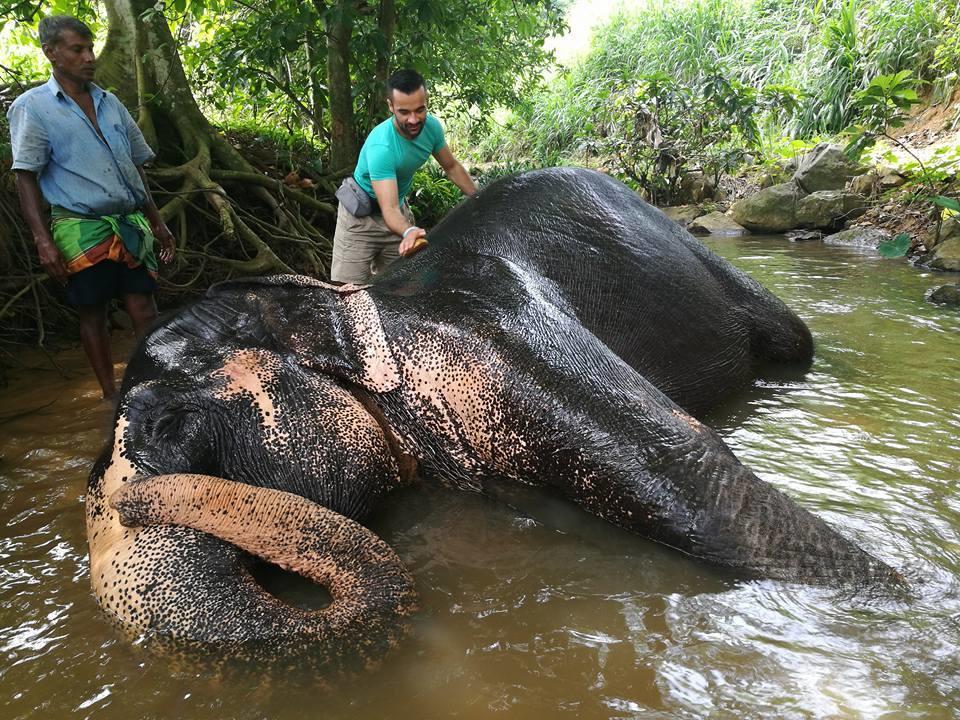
x=294, y=454
x=557, y=332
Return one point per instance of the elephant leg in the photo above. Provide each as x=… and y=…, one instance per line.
x=572, y=415
x=627, y=453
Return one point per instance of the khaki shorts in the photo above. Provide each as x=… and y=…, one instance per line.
x=363, y=246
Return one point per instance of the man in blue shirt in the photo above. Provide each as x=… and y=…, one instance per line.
x=392, y=153
x=78, y=147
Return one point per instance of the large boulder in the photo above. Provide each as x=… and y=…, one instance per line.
x=945, y=295
x=829, y=209
x=716, y=223
x=826, y=167
x=946, y=256
x=773, y=209
x=858, y=237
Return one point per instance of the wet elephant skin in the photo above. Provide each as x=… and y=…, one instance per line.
x=556, y=332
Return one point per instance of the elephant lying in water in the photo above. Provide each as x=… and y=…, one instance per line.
x=557, y=332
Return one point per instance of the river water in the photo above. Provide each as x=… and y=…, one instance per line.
x=532, y=609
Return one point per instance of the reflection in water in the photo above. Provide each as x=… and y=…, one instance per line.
x=530, y=608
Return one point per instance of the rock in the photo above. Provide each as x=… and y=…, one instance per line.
x=803, y=235
x=826, y=167
x=828, y=209
x=716, y=223
x=950, y=228
x=946, y=256
x=945, y=295
x=696, y=187
x=683, y=215
x=891, y=179
x=867, y=185
x=858, y=237
x=773, y=209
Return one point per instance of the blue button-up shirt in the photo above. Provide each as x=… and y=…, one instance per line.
x=76, y=168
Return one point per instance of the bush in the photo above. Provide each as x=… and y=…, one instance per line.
x=766, y=69
x=432, y=196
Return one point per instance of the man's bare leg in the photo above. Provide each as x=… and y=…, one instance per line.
x=142, y=310
x=95, y=339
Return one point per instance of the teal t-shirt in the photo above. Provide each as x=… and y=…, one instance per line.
x=388, y=155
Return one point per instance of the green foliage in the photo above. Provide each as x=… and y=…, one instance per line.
x=658, y=129
x=886, y=100
x=947, y=203
x=493, y=172
x=798, y=67
x=946, y=56
x=895, y=248
x=5, y=156
x=481, y=54
x=883, y=105
x=432, y=196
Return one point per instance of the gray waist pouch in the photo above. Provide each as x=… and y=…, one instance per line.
x=354, y=198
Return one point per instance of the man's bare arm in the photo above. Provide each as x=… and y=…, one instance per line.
x=455, y=171
x=388, y=198
x=30, y=202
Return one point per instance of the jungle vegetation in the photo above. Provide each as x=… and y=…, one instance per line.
x=257, y=107
x=671, y=87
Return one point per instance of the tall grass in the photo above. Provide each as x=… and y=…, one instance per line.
x=805, y=59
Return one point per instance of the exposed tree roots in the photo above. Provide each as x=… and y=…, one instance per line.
x=229, y=217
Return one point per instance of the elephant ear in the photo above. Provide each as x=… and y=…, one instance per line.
x=334, y=329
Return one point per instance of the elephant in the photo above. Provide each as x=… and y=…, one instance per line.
x=556, y=332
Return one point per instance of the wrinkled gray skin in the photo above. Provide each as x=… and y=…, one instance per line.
x=557, y=332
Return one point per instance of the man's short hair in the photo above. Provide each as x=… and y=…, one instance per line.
x=406, y=81
x=52, y=27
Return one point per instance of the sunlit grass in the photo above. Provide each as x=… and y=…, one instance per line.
x=821, y=53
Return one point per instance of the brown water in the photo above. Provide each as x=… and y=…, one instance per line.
x=532, y=609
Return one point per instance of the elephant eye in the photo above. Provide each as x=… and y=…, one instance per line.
x=171, y=423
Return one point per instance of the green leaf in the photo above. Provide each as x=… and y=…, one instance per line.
x=946, y=202
x=895, y=248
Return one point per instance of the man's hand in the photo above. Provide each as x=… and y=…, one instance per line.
x=413, y=241
x=168, y=245
x=52, y=260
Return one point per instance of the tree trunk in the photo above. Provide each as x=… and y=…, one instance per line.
x=316, y=89
x=343, y=143
x=387, y=23
x=141, y=60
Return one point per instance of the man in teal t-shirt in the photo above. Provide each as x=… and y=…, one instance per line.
x=392, y=153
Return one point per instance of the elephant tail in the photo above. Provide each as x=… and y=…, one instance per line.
x=372, y=593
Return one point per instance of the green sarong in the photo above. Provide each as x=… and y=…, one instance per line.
x=85, y=240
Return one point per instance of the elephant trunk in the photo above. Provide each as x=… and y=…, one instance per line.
x=372, y=593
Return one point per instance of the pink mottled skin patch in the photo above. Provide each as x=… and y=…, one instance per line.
x=245, y=372
x=380, y=369
x=111, y=545
x=460, y=398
